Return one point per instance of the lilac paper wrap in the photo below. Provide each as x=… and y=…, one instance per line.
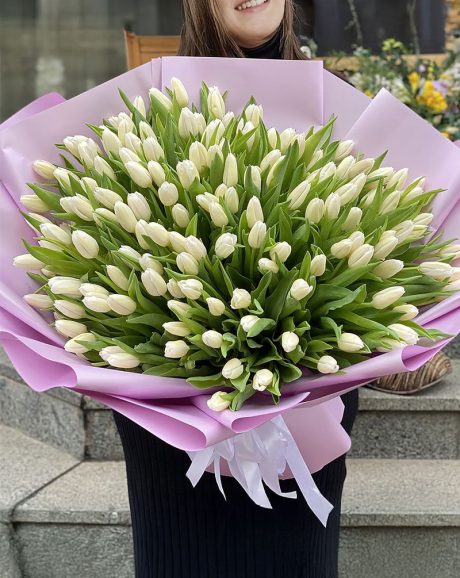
x=295, y=94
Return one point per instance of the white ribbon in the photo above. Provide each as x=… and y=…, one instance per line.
x=261, y=456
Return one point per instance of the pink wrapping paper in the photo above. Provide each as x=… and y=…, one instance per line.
x=295, y=94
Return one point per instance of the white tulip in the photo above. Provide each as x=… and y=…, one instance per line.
x=89, y=183
x=176, y=349
x=191, y=288
x=38, y=301
x=174, y=289
x=241, y=299
x=263, y=378
x=70, y=328
x=281, y=251
x=122, y=304
x=125, y=217
x=216, y=306
x=44, y=169
x=404, y=230
x=361, y=256
x=254, y=113
x=53, y=232
x=102, y=167
x=177, y=242
x=179, y=308
x=146, y=261
x=327, y=364
x=139, y=206
x=231, y=200
x=126, y=125
x=109, y=350
x=453, y=286
x=177, y=328
x=318, y=265
x=87, y=155
x=437, y=270
x=247, y=322
x=63, y=178
x=232, y=369
x=129, y=252
x=217, y=401
x=273, y=173
x=213, y=151
x=205, y=200
x=257, y=235
x=156, y=172
x=139, y=104
x=127, y=155
x=218, y=215
x=201, y=121
x=353, y=219
x=118, y=277
x=89, y=289
x=254, y=212
x=315, y=211
x=34, y=203
x=270, y=159
x=41, y=220
x=405, y=333
x=387, y=297
x=298, y=195
x=101, y=214
x=398, y=180
x=424, y=219
x=198, y=154
x=342, y=249
x=350, y=342
x=212, y=339
x=152, y=149
x=145, y=130
x=286, y=138
x=388, y=268
x=187, y=173
x=412, y=195
x=180, y=215
x=255, y=176
x=343, y=150
x=79, y=206
x=28, y=262
x=384, y=173
x=158, y=234
x=86, y=245
x=267, y=266
x=228, y=117
x=385, y=246
x=73, y=345
x=67, y=286
x=188, y=124
x=289, y=341
x=216, y=104
x=123, y=360
x=363, y=166
x=139, y=174
x=408, y=311
x=97, y=303
x=390, y=203
x=327, y=171
x=179, y=92
x=300, y=289
x=272, y=135
x=158, y=97
x=225, y=245
x=69, y=309
x=154, y=283
x=332, y=206
x=213, y=132
x=317, y=156
x=107, y=197
x=112, y=144
x=230, y=177
x=187, y=264
x=168, y=194
x=195, y=247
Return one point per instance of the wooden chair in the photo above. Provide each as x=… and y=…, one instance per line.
x=141, y=49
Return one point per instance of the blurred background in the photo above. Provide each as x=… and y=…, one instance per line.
x=71, y=45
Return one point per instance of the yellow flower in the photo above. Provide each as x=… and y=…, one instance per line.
x=368, y=92
x=431, y=98
x=414, y=80
x=445, y=133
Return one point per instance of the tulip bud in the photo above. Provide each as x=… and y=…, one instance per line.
x=332, y=206
x=179, y=308
x=187, y=264
x=225, y=245
x=93, y=289
x=125, y=217
x=180, y=215
x=176, y=349
x=263, y=378
x=86, y=245
x=141, y=230
x=389, y=268
x=107, y=197
x=177, y=328
x=390, y=203
x=195, y=247
x=218, y=215
x=318, y=265
x=154, y=283
x=286, y=138
x=168, y=194
x=267, y=266
x=231, y=200
x=212, y=339
x=34, y=203
x=217, y=401
x=198, y=155
x=247, y=322
x=205, y=200
x=187, y=173
x=146, y=261
x=188, y=124
x=232, y=369
x=327, y=171
x=129, y=252
x=363, y=166
x=387, y=297
x=70, y=328
x=73, y=345
x=404, y=333
x=152, y=149
x=342, y=249
x=156, y=172
x=213, y=151
x=300, y=289
x=191, y=288
x=122, y=304
x=216, y=104
x=53, y=232
x=123, y=360
x=385, y=246
x=254, y=212
x=408, y=311
x=298, y=195
x=109, y=350
x=69, y=309
x=424, y=219
x=44, y=169
x=398, y=180
x=158, y=97
x=281, y=251
x=102, y=167
x=289, y=341
x=353, y=219
x=241, y=299
x=79, y=206
x=361, y=256
x=257, y=235
x=270, y=159
x=28, y=262
x=213, y=132
x=404, y=230
x=158, y=234
x=327, y=364
x=127, y=155
x=437, y=270
x=138, y=174
x=453, y=286
x=179, y=92
x=139, y=206
x=315, y=211
x=344, y=167
x=273, y=173
x=63, y=178
x=97, y=303
x=134, y=143
x=350, y=343
x=38, y=301
x=177, y=242
x=174, y=289
x=146, y=131
x=118, y=277
x=230, y=177
x=343, y=150
x=67, y=286
x=112, y=144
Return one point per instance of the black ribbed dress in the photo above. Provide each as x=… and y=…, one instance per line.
x=185, y=532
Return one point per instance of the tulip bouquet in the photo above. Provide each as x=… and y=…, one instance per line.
x=186, y=260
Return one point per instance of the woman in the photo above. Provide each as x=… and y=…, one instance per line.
x=181, y=532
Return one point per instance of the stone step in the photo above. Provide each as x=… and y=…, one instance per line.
x=63, y=519
x=425, y=425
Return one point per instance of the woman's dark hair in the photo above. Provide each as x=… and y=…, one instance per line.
x=204, y=33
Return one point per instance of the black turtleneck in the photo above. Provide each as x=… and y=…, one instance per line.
x=270, y=49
